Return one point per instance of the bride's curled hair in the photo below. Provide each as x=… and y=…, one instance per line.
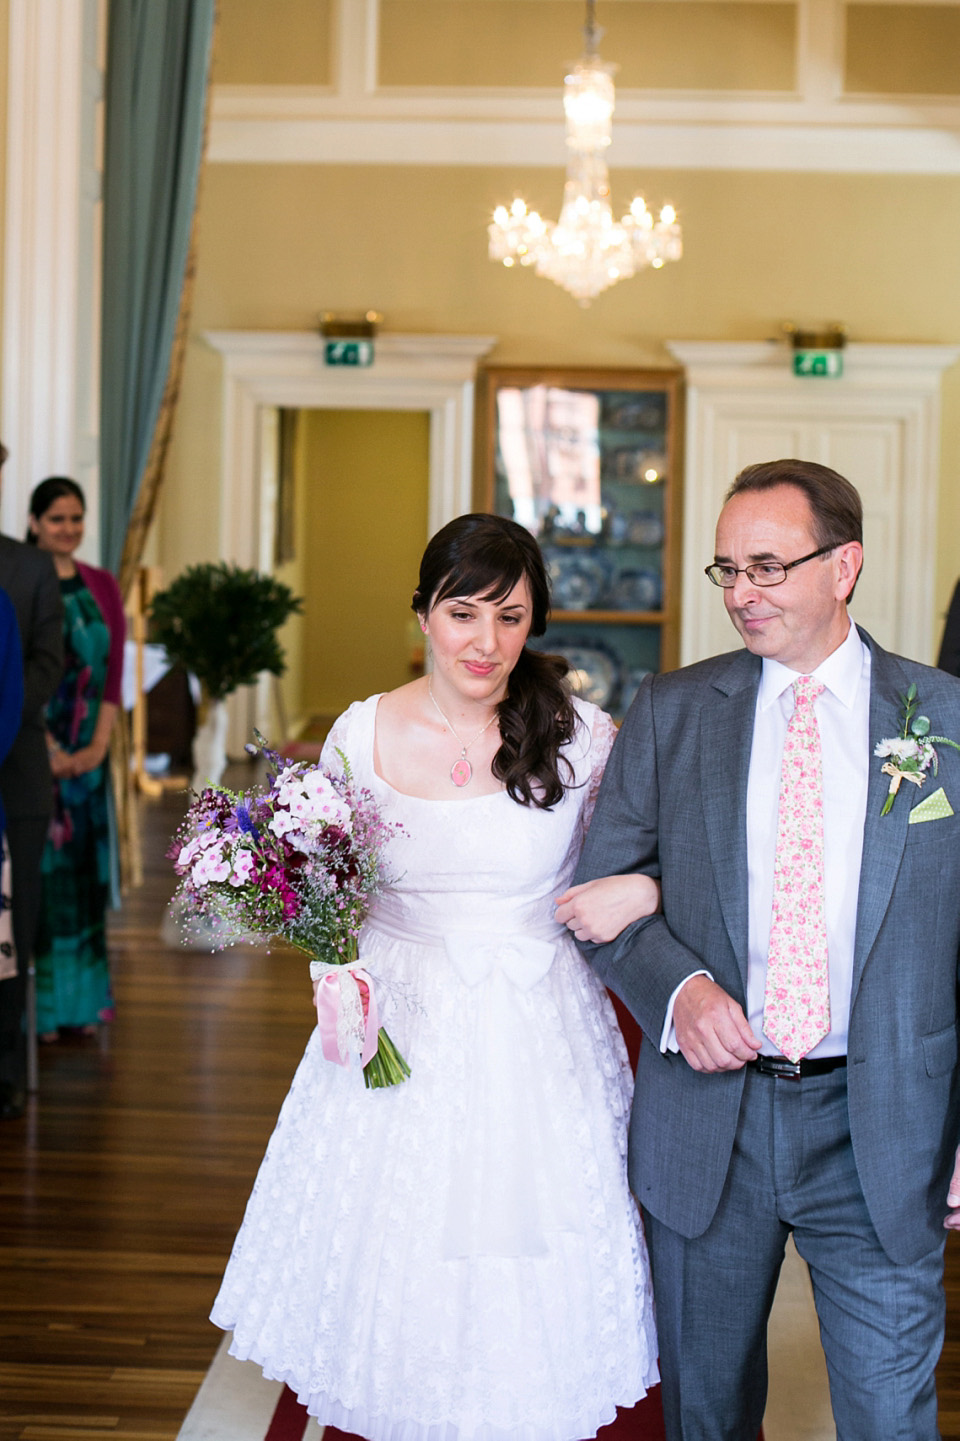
x=486, y=556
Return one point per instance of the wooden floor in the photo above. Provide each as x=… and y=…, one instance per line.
x=122, y=1189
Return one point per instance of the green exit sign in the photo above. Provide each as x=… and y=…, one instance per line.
x=348, y=352
x=818, y=362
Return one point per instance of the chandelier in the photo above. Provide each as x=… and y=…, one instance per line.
x=586, y=250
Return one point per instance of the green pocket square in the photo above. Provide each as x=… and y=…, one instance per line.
x=936, y=807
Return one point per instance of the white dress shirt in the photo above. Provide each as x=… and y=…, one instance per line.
x=843, y=716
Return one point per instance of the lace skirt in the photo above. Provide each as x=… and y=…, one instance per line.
x=457, y=1258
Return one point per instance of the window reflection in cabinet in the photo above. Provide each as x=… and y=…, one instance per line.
x=588, y=461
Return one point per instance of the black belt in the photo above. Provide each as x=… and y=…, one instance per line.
x=786, y=1070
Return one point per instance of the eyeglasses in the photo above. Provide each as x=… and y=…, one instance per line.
x=762, y=572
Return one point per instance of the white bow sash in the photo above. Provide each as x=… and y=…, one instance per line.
x=524, y=960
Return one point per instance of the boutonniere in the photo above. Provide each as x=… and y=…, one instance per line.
x=912, y=753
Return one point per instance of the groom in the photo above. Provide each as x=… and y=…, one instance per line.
x=798, y=993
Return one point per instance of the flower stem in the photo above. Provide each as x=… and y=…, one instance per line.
x=387, y=1067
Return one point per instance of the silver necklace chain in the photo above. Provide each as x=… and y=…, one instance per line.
x=461, y=771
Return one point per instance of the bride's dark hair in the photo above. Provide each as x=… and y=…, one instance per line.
x=486, y=556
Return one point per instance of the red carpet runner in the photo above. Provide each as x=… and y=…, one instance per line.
x=643, y=1423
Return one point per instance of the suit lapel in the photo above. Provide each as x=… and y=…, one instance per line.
x=884, y=837
x=726, y=736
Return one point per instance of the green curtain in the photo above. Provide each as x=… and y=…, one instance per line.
x=158, y=58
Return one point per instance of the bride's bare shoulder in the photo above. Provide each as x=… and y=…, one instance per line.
x=403, y=706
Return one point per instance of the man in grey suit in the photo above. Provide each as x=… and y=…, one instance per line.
x=29, y=578
x=844, y=1129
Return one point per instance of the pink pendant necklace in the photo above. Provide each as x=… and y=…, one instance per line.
x=461, y=772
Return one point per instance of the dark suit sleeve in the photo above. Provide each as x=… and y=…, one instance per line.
x=43, y=640
x=646, y=963
x=11, y=676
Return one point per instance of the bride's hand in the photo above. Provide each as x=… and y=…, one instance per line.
x=598, y=910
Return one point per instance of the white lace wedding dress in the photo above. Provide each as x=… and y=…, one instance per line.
x=458, y=1258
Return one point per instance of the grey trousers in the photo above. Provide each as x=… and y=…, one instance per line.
x=881, y=1325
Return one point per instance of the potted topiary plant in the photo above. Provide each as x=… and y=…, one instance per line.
x=220, y=622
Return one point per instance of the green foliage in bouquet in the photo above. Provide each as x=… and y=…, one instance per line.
x=221, y=622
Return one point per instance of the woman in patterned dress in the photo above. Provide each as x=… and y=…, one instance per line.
x=73, y=976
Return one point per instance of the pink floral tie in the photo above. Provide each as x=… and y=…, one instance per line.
x=796, y=1004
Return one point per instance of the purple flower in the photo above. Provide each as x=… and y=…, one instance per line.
x=243, y=820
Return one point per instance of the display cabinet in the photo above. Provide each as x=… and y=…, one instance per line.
x=589, y=462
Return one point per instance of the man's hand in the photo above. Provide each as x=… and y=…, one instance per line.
x=713, y=1033
x=952, y=1221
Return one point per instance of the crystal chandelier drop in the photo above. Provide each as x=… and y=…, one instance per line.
x=586, y=250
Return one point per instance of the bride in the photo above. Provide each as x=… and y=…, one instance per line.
x=459, y=1258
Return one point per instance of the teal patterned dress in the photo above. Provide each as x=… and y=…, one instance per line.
x=73, y=977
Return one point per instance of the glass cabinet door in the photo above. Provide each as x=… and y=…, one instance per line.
x=587, y=461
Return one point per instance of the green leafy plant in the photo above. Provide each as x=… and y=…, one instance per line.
x=221, y=622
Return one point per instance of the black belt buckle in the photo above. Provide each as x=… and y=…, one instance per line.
x=778, y=1066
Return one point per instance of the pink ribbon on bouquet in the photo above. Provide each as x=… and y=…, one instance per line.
x=347, y=1014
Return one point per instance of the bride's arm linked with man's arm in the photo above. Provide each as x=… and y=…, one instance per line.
x=600, y=909
x=658, y=978
x=708, y=1025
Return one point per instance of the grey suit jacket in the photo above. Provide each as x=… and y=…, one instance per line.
x=673, y=804
x=29, y=577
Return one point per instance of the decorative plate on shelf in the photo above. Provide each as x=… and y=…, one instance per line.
x=616, y=522
x=576, y=580
x=594, y=669
x=635, y=412
x=635, y=589
x=623, y=464
x=645, y=528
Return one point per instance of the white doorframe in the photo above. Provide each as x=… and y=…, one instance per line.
x=432, y=373
x=733, y=387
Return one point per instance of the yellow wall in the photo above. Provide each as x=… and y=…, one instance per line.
x=712, y=45
x=280, y=42
x=877, y=252
x=902, y=49
x=280, y=243
x=365, y=514
x=709, y=44
x=189, y=519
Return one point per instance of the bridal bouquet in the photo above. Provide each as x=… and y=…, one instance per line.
x=300, y=860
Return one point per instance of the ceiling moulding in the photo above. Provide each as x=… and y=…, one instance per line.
x=762, y=133
x=814, y=106
x=890, y=150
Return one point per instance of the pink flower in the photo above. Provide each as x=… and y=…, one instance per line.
x=281, y=822
x=212, y=866
x=243, y=868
